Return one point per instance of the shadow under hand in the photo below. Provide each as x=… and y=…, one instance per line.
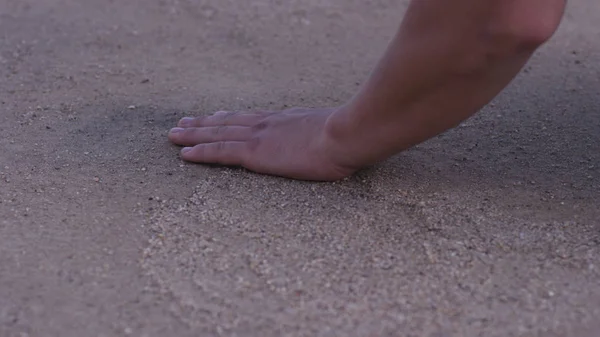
x=538, y=135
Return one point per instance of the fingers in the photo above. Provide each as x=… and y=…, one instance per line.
x=199, y=135
x=230, y=153
x=223, y=138
x=224, y=118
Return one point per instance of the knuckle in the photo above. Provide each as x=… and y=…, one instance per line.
x=224, y=117
x=200, y=151
x=199, y=120
x=226, y=114
x=228, y=120
x=260, y=126
x=219, y=147
x=218, y=130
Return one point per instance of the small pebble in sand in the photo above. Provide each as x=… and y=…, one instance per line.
x=143, y=169
x=96, y=179
x=131, y=107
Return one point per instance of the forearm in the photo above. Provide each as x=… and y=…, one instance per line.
x=448, y=60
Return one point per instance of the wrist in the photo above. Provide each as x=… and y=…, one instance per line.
x=347, y=142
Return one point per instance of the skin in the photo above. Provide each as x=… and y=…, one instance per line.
x=447, y=61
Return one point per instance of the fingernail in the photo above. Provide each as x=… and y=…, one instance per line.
x=186, y=121
x=176, y=130
x=185, y=149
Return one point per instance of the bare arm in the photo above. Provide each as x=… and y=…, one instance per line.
x=448, y=60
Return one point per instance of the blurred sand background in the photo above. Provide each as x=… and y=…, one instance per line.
x=491, y=229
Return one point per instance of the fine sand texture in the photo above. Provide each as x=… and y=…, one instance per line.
x=490, y=229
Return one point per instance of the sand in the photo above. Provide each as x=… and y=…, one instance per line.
x=491, y=229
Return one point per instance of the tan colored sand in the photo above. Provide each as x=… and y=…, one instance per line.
x=488, y=230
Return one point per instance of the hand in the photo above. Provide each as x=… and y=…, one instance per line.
x=290, y=143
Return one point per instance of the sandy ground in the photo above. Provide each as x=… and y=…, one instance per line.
x=491, y=229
